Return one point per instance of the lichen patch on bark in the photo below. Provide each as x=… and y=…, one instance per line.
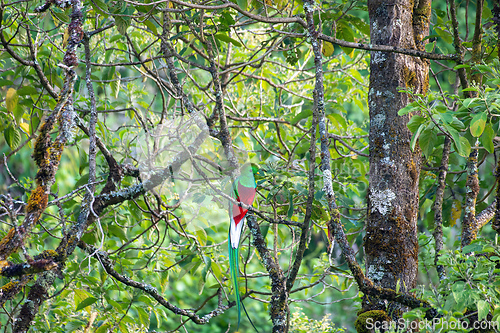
x=382, y=200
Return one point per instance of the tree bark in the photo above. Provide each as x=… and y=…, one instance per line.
x=391, y=244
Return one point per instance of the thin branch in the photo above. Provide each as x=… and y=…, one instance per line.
x=469, y=224
x=103, y=258
x=438, y=205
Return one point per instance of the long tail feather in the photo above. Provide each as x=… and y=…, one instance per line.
x=250, y=320
x=234, y=268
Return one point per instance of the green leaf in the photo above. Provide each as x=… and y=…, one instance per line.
x=114, y=39
x=458, y=291
x=145, y=9
x=468, y=101
x=457, y=124
x=484, y=68
x=80, y=295
x=116, y=306
x=205, y=270
x=27, y=90
x=464, y=148
x=488, y=249
x=198, y=198
x=407, y=109
x=344, y=32
x=415, y=123
x=337, y=119
x=319, y=194
x=12, y=137
x=82, y=181
x=483, y=308
x=428, y=140
x=242, y=4
x=471, y=89
x=461, y=66
x=34, y=123
x=103, y=328
x=227, y=39
x=193, y=265
x=115, y=85
x=358, y=23
x=143, y=316
x=4, y=82
x=430, y=46
x=122, y=24
x=7, y=73
x=477, y=124
x=86, y=302
x=415, y=136
x=159, y=316
x=454, y=135
x=61, y=16
x=487, y=138
x=108, y=54
x=265, y=230
x=290, y=206
x=472, y=248
x=100, y=7
x=18, y=113
x=146, y=300
x=118, y=232
x=304, y=114
x=226, y=20
x=73, y=325
x=151, y=27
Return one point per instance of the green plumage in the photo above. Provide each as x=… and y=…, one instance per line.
x=244, y=191
x=235, y=269
x=246, y=177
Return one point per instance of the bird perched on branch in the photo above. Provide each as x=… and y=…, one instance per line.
x=243, y=191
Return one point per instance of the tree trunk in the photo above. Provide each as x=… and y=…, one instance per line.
x=391, y=244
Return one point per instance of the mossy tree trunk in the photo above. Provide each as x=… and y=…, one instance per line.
x=391, y=244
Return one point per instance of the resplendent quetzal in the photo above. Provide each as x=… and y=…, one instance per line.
x=243, y=191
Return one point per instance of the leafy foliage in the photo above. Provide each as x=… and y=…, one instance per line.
x=468, y=297
x=231, y=64
x=301, y=324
